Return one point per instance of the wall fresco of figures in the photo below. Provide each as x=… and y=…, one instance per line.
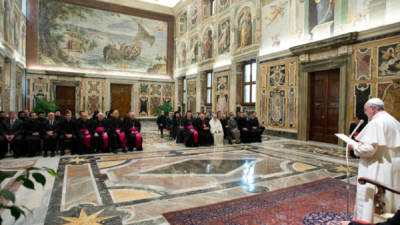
x=278, y=93
x=152, y=95
x=280, y=25
x=191, y=95
x=117, y=42
x=201, y=37
x=376, y=74
x=94, y=95
x=13, y=26
x=38, y=87
x=221, y=87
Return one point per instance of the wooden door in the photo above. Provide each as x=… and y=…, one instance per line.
x=324, y=115
x=65, y=96
x=121, y=98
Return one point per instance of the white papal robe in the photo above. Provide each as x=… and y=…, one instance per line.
x=217, y=131
x=379, y=152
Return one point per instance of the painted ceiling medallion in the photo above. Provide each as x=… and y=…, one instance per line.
x=85, y=219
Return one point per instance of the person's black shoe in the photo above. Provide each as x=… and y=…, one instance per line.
x=115, y=151
x=139, y=149
x=52, y=154
x=62, y=153
x=15, y=156
x=45, y=154
x=124, y=150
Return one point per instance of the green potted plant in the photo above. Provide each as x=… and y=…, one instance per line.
x=166, y=107
x=8, y=198
x=45, y=106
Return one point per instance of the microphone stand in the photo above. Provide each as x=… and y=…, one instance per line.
x=348, y=171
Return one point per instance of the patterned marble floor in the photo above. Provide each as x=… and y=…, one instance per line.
x=136, y=188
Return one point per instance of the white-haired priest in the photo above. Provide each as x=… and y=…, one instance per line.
x=378, y=146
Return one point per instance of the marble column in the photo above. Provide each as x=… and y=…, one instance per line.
x=13, y=80
x=232, y=89
x=198, y=92
x=108, y=91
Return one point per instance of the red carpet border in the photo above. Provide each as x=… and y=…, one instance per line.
x=319, y=202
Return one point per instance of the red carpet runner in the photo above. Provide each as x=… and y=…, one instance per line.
x=318, y=202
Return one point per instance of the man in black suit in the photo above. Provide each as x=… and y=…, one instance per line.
x=22, y=116
x=58, y=117
x=68, y=134
x=132, y=129
x=32, y=131
x=162, y=122
x=115, y=130
x=12, y=132
x=2, y=116
x=50, y=134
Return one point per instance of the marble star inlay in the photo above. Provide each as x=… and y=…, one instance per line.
x=85, y=219
x=77, y=160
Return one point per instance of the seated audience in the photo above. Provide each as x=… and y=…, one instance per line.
x=254, y=129
x=234, y=131
x=203, y=128
x=68, y=134
x=58, y=116
x=100, y=136
x=116, y=132
x=12, y=132
x=85, y=132
x=178, y=127
x=224, y=123
x=50, y=134
x=2, y=116
x=170, y=125
x=217, y=130
x=190, y=136
x=32, y=131
x=162, y=122
x=243, y=127
x=132, y=131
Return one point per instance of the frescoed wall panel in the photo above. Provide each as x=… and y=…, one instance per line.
x=94, y=95
x=123, y=40
x=152, y=95
x=275, y=21
x=224, y=36
x=383, y=57
x=37, y=88
x=191, y=94
x=276, y=112
x=363, y=63
x=221, y=87
x=278, y=92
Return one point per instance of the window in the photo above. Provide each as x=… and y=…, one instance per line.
x=212, y=7
x=209, y=88
x=184, y=92
x=249, y=83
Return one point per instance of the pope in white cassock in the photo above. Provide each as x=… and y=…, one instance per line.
x=378, y=147
x=216, y=130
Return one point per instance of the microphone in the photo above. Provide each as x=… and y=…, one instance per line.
x=355, y=129
x=348, y=170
